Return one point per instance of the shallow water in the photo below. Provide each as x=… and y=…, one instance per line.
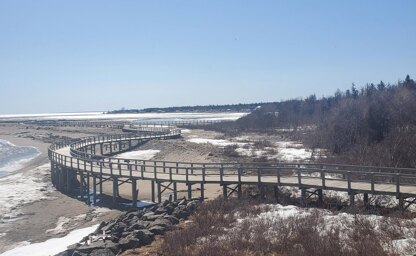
x=13, y=157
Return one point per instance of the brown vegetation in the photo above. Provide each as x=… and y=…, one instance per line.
x=216, y=231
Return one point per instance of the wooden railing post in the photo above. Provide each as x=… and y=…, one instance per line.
x=349, y=180
x=398, y=184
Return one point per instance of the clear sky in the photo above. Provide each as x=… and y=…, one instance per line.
x=85, y=55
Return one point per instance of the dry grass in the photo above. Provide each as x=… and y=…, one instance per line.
x=231, y=227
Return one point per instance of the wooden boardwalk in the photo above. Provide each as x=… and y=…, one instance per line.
x=88, y=162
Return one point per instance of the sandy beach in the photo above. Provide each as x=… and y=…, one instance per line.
x=54, y=214
x=45, y=212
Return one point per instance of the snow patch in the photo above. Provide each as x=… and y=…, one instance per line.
x=139, y=154
x=52, y=246
x=215, y=142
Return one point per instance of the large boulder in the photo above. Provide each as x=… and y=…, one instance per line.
x=157, y=230
x=161, y=222
x=172, y=219
x=129, y=242
x=150, y=216
x=144, y=235
x=181, y=212
x=100, y=244
x=102, y=252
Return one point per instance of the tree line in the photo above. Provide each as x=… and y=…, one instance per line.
x=374, y=125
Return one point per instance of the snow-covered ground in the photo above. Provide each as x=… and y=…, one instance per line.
x=52, y=246
x=139, y=154
x=215, y=142
x=20, y=189
x=245, y=146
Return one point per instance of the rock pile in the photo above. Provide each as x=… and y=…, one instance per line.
x=132, y=229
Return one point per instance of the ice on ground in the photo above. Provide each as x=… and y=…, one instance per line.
x=52, y=246
x=186, y=131
x=139, y=154
x=20, y=189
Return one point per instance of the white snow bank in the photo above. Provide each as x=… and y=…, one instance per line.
x=52, y=246
x=139, y=154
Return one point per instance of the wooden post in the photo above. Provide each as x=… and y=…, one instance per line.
x=134, y=192
x=352, y=199
x=94, y=189
x=365, y=200
x=81, y=185
x=239, y=192
x=278, y=176
x=159, y=193
x=175, y=192
x=68, y=181
x=202, y=191
x=276, y=193
x=115, y=190
x=101, y=184
x=320, y=196
x=401, y=202
x=189, y=190
x=224, y=191
x=398, y=184
x=372, y=183
x=153, y=190
x=303, y=196
x=88, y=189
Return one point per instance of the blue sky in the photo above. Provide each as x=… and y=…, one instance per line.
x=63, y=56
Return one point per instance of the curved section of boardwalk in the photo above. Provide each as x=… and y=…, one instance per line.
x=87, y=163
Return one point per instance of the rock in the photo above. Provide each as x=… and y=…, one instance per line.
x=192, y=205
x=144, y=235
x=160, y=210
x=118, y=228
x=157, y=230
x=98, y=230
x=136, y=226
x=161, y=222
x=133, y=229
x=129, y=242
x=172, y=219
x=109, y=226
x=181, y=212
x=182, y=202
x=102, y=252
x=169, y=209
x=150, y=216
x=87, y=249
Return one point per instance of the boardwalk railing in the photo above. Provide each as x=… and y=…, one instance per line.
x=92, y=158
